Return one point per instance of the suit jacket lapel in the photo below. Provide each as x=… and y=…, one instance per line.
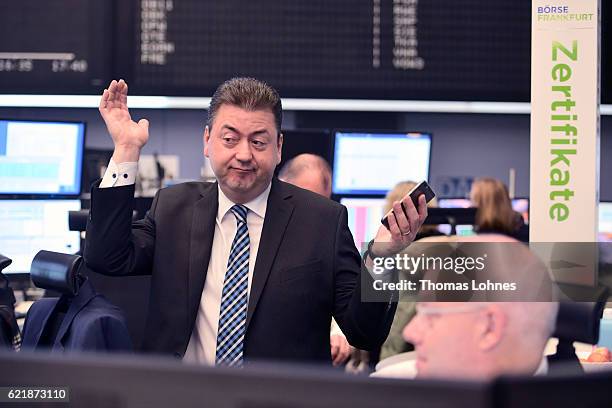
x=202, y=234
x=40, y=322
x=278, y=213
x=83, y=297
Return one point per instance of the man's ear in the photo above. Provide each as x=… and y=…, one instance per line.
x=492, y=327
x=280, y=147
x=206, y=140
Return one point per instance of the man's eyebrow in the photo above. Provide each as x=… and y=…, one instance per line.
x=259, y=132
x=255, y=133
x=228, y=127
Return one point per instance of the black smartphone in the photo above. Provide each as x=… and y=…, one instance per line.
x=415, y=193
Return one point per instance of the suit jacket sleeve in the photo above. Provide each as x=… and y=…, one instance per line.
x=113, y=244
x=365, y=324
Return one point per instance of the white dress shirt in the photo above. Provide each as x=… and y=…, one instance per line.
x=203, y=343
x=121, y=174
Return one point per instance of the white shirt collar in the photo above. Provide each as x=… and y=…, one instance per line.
x=257, y=205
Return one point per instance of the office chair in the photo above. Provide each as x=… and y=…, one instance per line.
x=10, y=337
x=80, y=319
x=576, y=321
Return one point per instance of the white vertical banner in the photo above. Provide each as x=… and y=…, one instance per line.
x=564, y=172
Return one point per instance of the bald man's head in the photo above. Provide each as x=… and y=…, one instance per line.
x=308, y=171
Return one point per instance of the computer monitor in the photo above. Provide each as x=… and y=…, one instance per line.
x=371, y=163
x=130, y=381
x=605, y=222
x=461, y=230
x=364, y=216
x=31, y=225
x=41, y=158
x=521, y=206
x=454, y=203
x=314, y=141
x=565, y=389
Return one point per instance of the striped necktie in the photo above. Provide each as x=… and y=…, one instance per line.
x=234, y=299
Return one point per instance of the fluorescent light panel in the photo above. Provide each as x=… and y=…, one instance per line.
x=297, y=104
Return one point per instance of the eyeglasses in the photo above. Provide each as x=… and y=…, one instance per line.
x=432, y=313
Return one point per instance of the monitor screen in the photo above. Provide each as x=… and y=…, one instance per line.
x=31, y=225
x=42, y=158
x=454, y=203
x=462, y=230
x=373, y=163
x=364, y=216
x=605, y=222
x=521, y=206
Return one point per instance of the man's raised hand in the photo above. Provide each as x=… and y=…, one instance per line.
x=128, y=136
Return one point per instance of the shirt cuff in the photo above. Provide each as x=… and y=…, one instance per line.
x=335, y=329
x=117, y=175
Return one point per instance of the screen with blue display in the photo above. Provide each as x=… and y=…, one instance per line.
x=41, y=158
x=373, y=163
x=29, y=226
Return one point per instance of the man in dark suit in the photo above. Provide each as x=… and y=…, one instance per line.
x=245, y=268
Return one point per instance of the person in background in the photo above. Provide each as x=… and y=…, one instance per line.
x=395, y=343
x=486, y=335
x=495, y=213
x=312, y=172
x=480, y=340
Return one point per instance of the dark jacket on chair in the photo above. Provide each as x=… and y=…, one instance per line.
x=87, y=322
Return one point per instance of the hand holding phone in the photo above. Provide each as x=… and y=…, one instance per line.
x=421, y=188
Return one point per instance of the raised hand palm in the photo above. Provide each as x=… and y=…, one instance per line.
x=114, y=111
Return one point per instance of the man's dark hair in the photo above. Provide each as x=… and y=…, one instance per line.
x=249, y=94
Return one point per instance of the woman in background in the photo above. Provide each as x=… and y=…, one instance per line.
x=495, y=213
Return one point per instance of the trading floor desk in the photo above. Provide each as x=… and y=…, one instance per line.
x=136, y=381
x=130, y=381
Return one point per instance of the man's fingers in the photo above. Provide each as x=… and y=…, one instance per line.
x=104, y=100
x=143, y=123
x=113, y=96
x=411, y=214
x=334, y=350
x=345, y=351
x=402, y=221
x=124, y=92
x=422, y=209
x=394, y=229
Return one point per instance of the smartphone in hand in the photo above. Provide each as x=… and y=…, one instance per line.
x=415, y=193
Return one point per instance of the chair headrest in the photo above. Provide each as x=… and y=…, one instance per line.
x=56, y=271
x=77, y=220
x=4, y=262
x=579, y=321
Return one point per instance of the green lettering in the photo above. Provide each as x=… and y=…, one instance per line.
x=573, y=55
x=560, y=156
x=559, y=210
x=559, y=178
x=561, y=72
